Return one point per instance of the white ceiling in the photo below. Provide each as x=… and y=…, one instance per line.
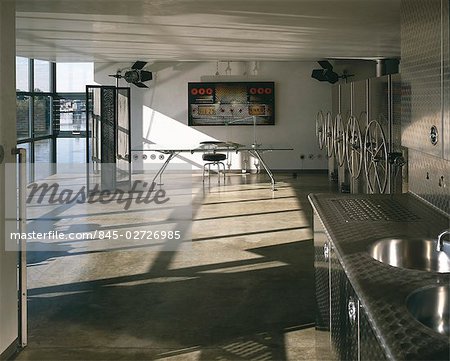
x=153, y=30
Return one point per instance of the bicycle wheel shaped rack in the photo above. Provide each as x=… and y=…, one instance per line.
x=354, y=147
x=375, y=158
x=320, y=129
x=329, y=135
x=339, y=140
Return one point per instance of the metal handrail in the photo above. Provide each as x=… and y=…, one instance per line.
x=22, y=228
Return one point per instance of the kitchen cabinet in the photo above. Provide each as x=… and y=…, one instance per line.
x=339, y=309
x=343, y=313
x=370, y=348
x=322, y=279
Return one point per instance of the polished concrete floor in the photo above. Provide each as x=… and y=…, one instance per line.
x=243, y=289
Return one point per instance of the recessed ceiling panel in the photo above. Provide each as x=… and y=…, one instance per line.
x=285, y=30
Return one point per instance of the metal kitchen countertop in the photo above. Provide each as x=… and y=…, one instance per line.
x=382, y=289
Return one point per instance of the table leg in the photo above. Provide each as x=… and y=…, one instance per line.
x=257, y=154
x=163, y=167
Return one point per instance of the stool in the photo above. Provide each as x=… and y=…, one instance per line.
x=214, y=159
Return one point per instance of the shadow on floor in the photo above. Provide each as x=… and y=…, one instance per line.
x=226, y=315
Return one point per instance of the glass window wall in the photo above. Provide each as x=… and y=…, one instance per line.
x=51, y=113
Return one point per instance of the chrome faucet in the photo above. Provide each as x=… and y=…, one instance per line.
x=440, y=240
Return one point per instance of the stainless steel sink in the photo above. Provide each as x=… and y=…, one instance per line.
x=412, y=253
x=430, y=306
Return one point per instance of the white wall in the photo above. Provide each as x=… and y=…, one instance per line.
x=8, y=260
x=298, y=98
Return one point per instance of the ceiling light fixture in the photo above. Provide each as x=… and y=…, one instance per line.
x=255, y=68
x=327, y=73
x=135, y=75
x=217, y=69
x=228, y=69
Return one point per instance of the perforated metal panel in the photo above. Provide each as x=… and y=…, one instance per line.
x=108, y=137
x=236, y=93
x=108, y=105
x=421, y=73
x=123, y=136
x=363, y=210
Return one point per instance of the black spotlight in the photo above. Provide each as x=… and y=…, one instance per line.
x=325, y=64
x=326, y=73
x=135, y=75
x=331, y=76
x=318, y=74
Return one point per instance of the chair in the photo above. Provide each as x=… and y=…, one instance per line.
x=214, y=159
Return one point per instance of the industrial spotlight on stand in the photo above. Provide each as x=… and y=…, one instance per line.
x=327, y=73
x=135, y=75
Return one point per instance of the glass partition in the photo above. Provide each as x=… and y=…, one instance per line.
x=23, y=120
x=42, y=115
x=51, y=112
x=43, y=158
x=71, y=150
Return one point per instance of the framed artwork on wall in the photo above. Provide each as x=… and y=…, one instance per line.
x=231, y=103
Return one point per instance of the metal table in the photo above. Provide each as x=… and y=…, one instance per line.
x=255, y=151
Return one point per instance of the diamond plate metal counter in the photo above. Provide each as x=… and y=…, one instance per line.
x=380, y=288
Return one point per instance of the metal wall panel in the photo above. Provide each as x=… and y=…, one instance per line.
x=446, y=75
x=346, y=111
x=399, y=176
x=379, y=110
x=335, y=99
x=346, y=101
x=360, y=95
x=379, y=101
x=426, y=97
x=421, y=73
x=335, y=109
x=425, y=180
x=360, y=99
x=396, y=113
